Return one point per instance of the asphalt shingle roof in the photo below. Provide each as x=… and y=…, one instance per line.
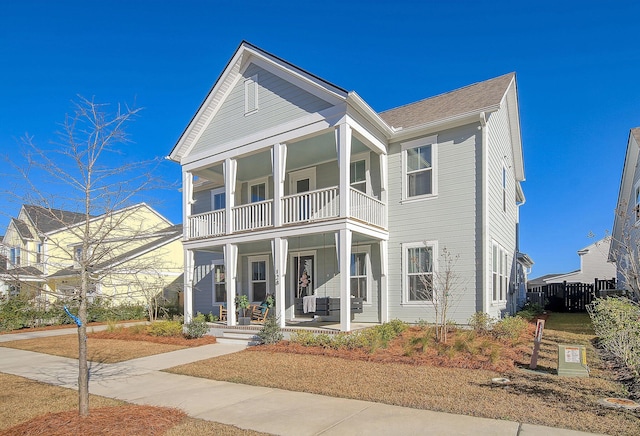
x=469, y=99
x=47, y=220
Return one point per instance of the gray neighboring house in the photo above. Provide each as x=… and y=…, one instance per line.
x=626, y=224
x=295, y=187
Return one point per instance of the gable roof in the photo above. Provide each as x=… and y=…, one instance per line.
x=47, y=220
x=481, y=96
x=245, y=54
x=22, y=228
x=159, y=238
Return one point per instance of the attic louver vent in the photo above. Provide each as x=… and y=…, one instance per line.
x=251, y=95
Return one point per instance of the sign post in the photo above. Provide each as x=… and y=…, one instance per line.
x=536, y=343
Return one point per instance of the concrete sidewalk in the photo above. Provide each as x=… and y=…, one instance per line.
x=275, y=411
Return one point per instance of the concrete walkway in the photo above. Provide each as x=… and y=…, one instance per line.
x=269, y=410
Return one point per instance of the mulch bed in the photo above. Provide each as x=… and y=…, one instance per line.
x=127, y=420
x=128, y=335
x=396, y=352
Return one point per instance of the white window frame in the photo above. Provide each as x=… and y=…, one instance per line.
x=251, y=259
x=15, y=256
x=251, y=95
x=217, y=191
x=367, y=177
x=39, y=253
x=499, y=273
x=405, y=271
x=214, y=281
x=431, y=141
x=262, y=181
x=367, y=265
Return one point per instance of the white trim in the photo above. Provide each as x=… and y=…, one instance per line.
x=214, y=263
x=218, y=191
x=365, y=156
x=366, y=249
x=295, y=176
x=255, y=182
x=431, y=141
x=405, y=269
x=503, y=275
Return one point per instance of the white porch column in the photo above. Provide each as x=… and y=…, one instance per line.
x=344, y=265
x=230, y=266
x=188, y=285
x=187, y=202
x=343, y=146
x=230, y=169
x=279, y=247
x=384, y=186
x=384, y=281
x=279, y=166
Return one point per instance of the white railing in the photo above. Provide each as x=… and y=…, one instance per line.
x=311, y=206
x=367, y=209
x=253, y=216
x=207, y=224
x=298, y=208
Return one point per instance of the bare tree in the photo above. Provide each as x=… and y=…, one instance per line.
x=79, y=174
x=442, y=286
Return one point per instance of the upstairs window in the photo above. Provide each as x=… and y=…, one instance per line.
x=419, y=168
x=15, y=256
x=39, y=253
x=636, y=208
x=358, y=174
x=251, y=95
x=258, y=192
x=218, y=199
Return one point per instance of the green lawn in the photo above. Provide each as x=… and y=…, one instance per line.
x=570, y=322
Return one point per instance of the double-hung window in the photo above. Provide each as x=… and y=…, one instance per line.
x=419, y=269
x=419, y=165
x=358, y=175
x=15, y=256
x=259, y=277
x=219, y=284
x=359, y=268
x=499, y=273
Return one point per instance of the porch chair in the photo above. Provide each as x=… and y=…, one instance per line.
x=223, y=313
x=259, y=313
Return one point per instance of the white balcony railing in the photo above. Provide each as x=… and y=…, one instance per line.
x=207, y=224
x=367, y=209
x=296, y=209
x=311, y=206
x=253, y=216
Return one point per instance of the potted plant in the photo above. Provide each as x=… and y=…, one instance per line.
x=242, y=302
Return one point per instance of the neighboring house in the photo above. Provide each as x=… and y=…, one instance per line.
x=295, y=187
x=594, y=265
x=139, y=253
x=626, y=224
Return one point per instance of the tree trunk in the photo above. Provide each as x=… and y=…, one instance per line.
x=83, y=367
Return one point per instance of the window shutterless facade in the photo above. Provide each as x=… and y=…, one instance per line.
x=499, y=273
x=359, y=273
x=219, y=284
x=259, y=278
x=419, y=269
x=419, y=168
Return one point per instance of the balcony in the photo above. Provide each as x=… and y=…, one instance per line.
x=297, y=209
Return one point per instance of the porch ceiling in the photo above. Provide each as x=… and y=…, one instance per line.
x=301, y=154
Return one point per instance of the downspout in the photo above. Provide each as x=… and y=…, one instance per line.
x=484, y=220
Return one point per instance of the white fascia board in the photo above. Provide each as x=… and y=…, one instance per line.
x=442, y=124
x=303, y=81
x=292, y=131
x=178, y=237
x=513, y=113
x=361, y=106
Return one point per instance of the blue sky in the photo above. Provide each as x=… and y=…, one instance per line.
x=577, y=65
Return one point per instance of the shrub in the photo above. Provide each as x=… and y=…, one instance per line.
x=530, y=310
x=165, y=328
x=616, y=322
x=197, y=328
x=481, y=322
x=510, y=327
x=271, y=333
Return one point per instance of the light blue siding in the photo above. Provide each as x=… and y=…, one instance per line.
x=278, y=100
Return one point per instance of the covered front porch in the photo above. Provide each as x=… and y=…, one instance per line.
x=333, y=275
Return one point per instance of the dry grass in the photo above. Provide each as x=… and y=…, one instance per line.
x=534, y=397
x=30, y=408
x=109, y=347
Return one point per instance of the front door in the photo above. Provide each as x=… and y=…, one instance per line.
x=303, y=268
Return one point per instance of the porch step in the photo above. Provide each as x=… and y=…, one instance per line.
x=233, y=336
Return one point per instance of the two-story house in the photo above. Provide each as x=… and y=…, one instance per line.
x=625, y=237
x=135, y=253
x=295, y=187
